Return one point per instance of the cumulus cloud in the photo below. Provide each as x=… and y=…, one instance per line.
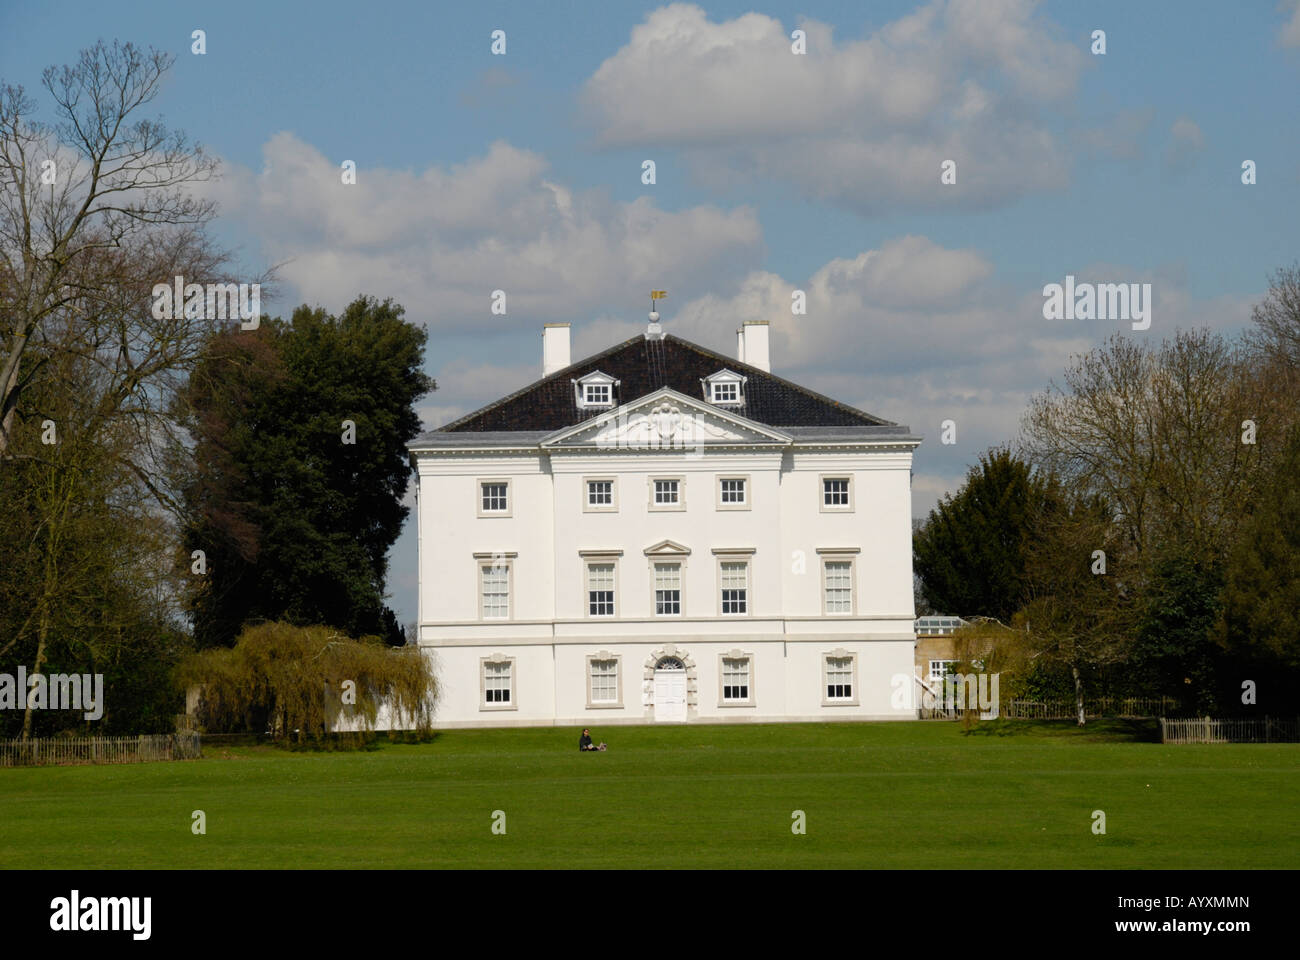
x=1289, y=35
x=1121, y=136
x=862, y=123
x=1185, y=145
x=919, y=333
x=441, y=241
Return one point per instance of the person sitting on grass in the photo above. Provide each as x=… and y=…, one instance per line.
x=584, y=742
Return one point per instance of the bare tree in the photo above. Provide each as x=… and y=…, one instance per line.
x=91, y=212
x=1156, y=432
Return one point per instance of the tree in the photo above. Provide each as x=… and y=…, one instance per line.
x=300, y=469
x=296, y=680
x=970, y=554
x=1173, y=651
x=1260, y=621
x=93, y=211
x=1156, y=432
x=1079, y=588
x=84, y=587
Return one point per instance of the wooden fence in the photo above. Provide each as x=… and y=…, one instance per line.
x=65, y=750
x=1097, y=707
x=1065, y=709
x=1207, y=730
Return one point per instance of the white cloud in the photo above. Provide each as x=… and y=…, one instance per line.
x=1186, y=141
x=918, y=333
x=864, y=123
x=441, y=240
x=1289, y=35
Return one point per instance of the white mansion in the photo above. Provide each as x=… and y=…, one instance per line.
x=662, y=533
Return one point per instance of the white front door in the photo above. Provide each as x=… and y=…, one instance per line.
x=670, y=691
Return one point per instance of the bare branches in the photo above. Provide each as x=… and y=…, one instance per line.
x=1156, y=430
x=85, y=205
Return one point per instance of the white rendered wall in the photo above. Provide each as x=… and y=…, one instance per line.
x=550, y=635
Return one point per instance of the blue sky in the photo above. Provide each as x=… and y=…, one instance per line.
x=774, y=172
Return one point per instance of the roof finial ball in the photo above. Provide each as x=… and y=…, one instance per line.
x=654, y=331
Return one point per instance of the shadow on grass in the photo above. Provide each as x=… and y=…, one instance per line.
x=1096, y=730
x=331, y=743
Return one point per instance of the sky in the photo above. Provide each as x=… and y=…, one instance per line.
x=775, y=171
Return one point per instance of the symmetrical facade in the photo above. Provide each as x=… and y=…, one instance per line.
x=662, y=533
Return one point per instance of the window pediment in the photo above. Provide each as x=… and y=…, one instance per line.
x=667, y=548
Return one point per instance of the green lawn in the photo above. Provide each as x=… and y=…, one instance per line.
x=1013, y=794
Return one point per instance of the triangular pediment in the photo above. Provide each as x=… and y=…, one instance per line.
x=664, y=420
x=667, y=548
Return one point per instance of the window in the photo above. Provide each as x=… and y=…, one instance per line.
x=596, y=389
x=599, y=495
x=495, y=591
x=494, y=498
x=839, y=586
x=725, y=388
x=667, y=493
x=940, y=669
x=839, y=678
x=734, y=575
x=726, y=392
x=836, y=493
x=600, y=589
x=602, y=681
x=668, y=589
x=735, y=679
x=497, y=679
x=733, y=493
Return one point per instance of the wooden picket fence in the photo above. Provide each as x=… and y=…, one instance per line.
x=1096, y=707
x=1065, y=709
x=48, y=751
x=1208, y=730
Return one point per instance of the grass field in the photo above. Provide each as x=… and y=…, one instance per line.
x=1013, y=794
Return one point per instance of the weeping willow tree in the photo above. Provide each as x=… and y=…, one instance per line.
x=301, y=682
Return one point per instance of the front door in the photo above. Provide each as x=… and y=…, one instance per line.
x=670, y=690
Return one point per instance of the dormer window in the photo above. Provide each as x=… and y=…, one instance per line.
x=595, y=391
x=724, y=388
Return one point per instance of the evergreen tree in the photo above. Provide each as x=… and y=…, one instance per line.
x=970, y=553
x=300, y=469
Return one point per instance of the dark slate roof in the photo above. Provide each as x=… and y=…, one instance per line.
x=643, y=366
x=493, y=438
x=845, y=434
